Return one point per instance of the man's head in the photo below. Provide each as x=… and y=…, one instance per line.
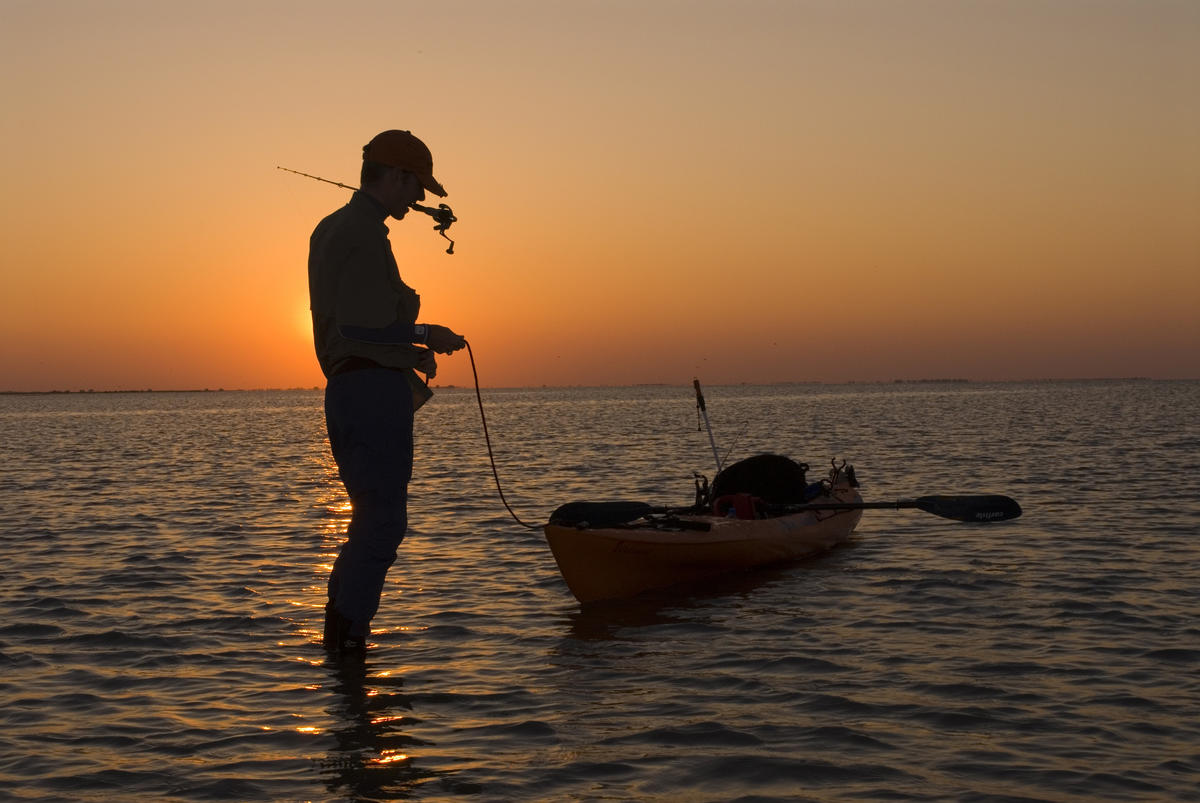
x=400, y=149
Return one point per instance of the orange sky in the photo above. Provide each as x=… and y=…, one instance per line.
x=647, y=191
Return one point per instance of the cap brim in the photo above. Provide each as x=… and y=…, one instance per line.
x=431, y=185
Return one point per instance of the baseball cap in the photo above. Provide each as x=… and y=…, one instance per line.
x=401, y=149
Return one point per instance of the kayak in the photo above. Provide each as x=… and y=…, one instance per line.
x=615, y=550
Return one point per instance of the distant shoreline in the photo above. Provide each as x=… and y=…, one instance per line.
x=892, y=382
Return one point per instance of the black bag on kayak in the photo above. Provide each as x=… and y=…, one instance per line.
x=773, y=478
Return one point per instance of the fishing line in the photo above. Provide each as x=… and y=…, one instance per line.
x=488, y=440
x=732, y=446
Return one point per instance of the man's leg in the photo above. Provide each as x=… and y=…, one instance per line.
x=369, y=415
x=377, y=526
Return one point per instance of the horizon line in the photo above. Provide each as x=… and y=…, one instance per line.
x=922, y=381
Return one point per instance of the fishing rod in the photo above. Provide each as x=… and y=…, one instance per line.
x=704, y=411
x=442, y=213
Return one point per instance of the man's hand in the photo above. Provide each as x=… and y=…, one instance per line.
x=427, y=363
x=442, y=340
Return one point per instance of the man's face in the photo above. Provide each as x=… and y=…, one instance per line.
x=402, y=188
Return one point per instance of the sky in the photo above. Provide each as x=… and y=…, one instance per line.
x=647, y=191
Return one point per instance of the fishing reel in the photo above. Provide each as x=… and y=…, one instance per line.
x=444, y=217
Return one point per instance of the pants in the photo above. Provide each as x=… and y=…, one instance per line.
x=369, y=415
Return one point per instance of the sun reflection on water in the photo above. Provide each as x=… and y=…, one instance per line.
x=389, y=757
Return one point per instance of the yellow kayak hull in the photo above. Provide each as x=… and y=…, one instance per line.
x=620, y=562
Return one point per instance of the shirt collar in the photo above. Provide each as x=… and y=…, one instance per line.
x=370, y=205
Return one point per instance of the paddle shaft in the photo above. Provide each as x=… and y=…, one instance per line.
x=974, y=508
x=899, y=504
x=977, y=508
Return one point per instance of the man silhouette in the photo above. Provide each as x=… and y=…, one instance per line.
x=370, y=348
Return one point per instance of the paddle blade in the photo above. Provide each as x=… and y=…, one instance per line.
x=985, y=507
x=599, y=514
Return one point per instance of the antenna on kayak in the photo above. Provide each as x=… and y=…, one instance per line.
x=704, y=412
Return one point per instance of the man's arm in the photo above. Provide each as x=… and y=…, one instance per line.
x=437, y=338
x=395, y=333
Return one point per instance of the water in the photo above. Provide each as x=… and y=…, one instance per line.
x=162, y=587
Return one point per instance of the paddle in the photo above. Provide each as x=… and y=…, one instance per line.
x=975, y=508
x=978, y=508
